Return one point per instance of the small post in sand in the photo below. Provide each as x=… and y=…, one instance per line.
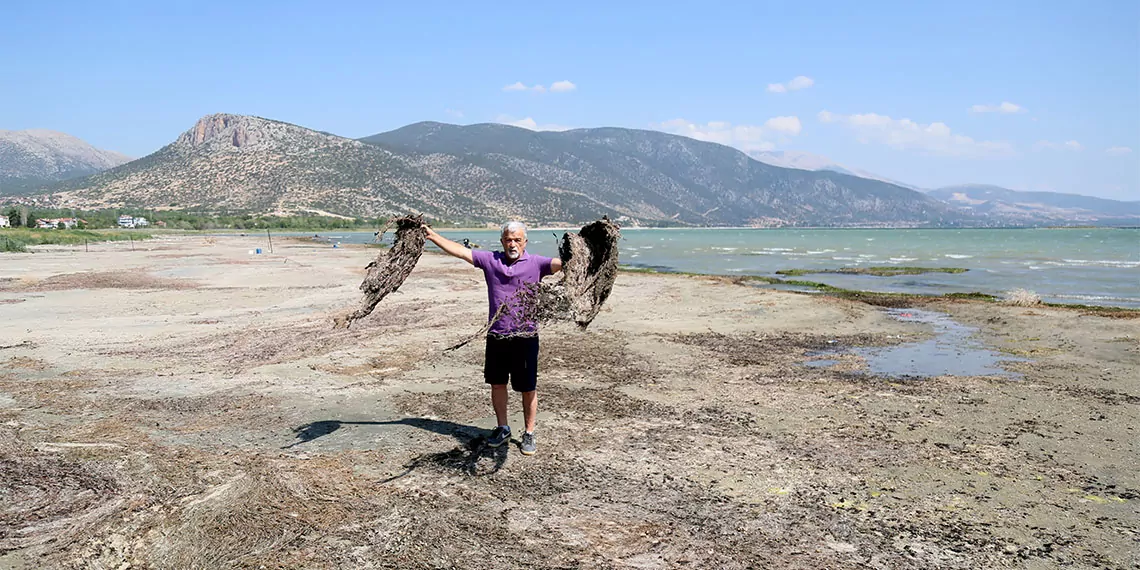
x=270, y=236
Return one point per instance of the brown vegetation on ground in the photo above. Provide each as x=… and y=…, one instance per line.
x=684, y=429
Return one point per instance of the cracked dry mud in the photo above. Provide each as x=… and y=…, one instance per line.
x=229, y=425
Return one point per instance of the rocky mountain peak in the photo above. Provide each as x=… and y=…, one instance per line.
x=236, y=130
x=228, y=132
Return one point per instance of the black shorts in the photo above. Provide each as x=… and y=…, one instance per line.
x=515, y=358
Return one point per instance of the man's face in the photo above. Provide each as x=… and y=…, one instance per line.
x=513, y=244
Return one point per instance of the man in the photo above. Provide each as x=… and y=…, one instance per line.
x=512, y=347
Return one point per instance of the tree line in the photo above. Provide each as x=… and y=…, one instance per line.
x=25, y=216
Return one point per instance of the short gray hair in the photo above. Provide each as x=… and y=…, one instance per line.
x=513, y=227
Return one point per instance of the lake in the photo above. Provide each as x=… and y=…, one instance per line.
x=1090, y=266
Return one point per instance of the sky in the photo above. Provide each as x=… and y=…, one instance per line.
x=1037, y=95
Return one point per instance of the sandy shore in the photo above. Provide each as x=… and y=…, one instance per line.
x=189, y=405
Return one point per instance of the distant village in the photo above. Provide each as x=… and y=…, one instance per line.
x=125, y=221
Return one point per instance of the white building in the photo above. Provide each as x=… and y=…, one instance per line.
x=4, y=223
x=140, y=222
x=53, y=223
x=126, y=221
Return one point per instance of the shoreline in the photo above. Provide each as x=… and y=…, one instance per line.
x=881, y=298
x=875, y=297
x=805, y=287
x=719, y=228
x=1088, y=269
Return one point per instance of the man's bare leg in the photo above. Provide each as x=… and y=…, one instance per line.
x=530, y=408
x=499, y=402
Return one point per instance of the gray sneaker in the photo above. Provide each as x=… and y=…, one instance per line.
x=528, y=447
x=499, y=436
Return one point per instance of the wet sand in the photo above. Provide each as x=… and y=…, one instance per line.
x=188, y=405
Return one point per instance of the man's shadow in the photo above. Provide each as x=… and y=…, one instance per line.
x=465, y=457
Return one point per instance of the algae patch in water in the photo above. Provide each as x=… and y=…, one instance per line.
x=878, y=271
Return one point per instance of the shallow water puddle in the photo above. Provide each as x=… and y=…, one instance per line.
x=820, y=363
x=952, y=352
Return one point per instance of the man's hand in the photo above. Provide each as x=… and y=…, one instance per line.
x=449, y=247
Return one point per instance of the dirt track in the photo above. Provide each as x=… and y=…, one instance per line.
x=192, y=406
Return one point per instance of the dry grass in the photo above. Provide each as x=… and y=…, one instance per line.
x=46, y=497
x=157, y=507
x=777, y=348
x=64, y=393
x=25, y=363
x=390, y=362
x=1021, y=298
x=189, y=414
x=255, y=346
x=247, y=520
x=700, y=482
x=107, y=280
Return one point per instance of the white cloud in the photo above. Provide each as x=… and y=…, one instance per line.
x=520, y=86
x=530, y=124
x=1118, y=151
x=800, y=82
x=556, y=87
x=562, y=86
x=1049, y=145
x=797, y=83
x=905, y=134
x=790, y=125
x=1004, y=107
x=743, y=137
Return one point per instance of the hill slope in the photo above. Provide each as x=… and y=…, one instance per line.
x=1036, y=207
x=809, y=161
x=235, y=162
x=34, y=157
x=648, y=175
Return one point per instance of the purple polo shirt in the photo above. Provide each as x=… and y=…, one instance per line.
x=504, y=280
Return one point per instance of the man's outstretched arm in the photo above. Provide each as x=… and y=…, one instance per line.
x=555, y=265
x=448, y=246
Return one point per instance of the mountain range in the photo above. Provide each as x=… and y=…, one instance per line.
x=1037, y=207
x=33, y=158
x=994, y=203
x=490, y=172
x=808, y=161
x=653, y=176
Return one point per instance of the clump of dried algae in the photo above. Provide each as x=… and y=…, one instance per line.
x=389, y=270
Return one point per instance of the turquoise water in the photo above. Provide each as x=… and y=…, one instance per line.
x=1092, y=266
